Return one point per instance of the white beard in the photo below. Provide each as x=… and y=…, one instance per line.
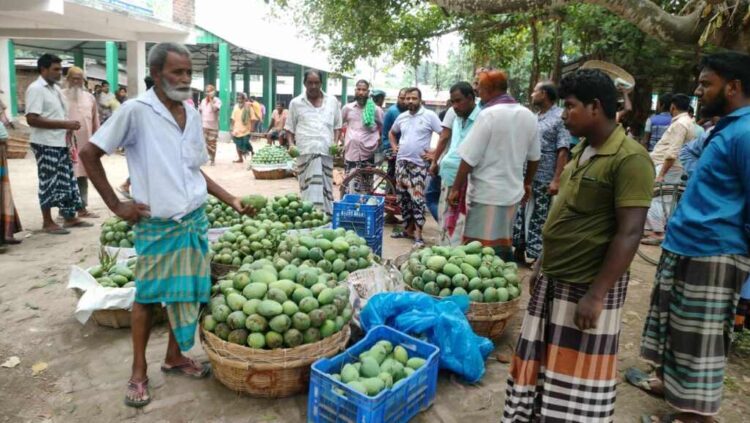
x=176, y=93
x=74, y=93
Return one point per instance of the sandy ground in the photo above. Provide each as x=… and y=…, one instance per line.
x=87, y=366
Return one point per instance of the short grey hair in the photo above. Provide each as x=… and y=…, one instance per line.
x=157, y=56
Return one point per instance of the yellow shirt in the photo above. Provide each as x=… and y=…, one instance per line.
x=239, y=129
x=680, y=131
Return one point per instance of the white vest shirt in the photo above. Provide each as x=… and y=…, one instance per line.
x=163, y=160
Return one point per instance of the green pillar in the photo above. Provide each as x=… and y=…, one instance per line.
x=343, y=91
x=224, y=84
x=78, y=57
x=234, y=85
x=299, y=75
x=12, y=90
x=274, y=82
x=246, y=78
x=266, y=65
x=112, y=65
x=324, y=81
x=209, y=74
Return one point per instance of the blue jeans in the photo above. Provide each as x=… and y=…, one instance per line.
x=432, y=197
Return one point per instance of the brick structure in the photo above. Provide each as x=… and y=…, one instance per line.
x=183, y=12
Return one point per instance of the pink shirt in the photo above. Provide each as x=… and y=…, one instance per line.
x=361, y=141
x=83, y=108
x=210, y=113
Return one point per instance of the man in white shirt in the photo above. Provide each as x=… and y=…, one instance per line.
x=410, y=138
x=164, y=146
x=209, y=110
x=46, y=114
x=313, y=124
x=503, y=138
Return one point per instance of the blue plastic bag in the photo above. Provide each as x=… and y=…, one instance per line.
x=442, y=322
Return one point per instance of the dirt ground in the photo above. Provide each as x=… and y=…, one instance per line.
x=87, y=366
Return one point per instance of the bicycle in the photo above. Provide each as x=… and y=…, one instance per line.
x=373, y=180
x=670, y=194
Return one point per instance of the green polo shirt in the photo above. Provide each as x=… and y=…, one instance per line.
x=582, y=221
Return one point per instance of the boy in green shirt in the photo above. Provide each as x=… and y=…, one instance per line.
x=572, y=324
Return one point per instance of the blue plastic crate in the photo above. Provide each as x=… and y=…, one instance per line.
x=353, y=213
x=375, y=243
x=395, y=405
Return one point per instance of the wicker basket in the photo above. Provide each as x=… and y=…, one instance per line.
x=487, y=319
x=121, y=318
x=268, y=373
x=219, y=270
x=17, y=147
x=270, y=174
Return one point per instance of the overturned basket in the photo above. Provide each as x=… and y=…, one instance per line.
x=219, y=270
x=268, y=373
x=487, y=319
x=270, y=174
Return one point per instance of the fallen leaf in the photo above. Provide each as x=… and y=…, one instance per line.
x=11, y=362
x=38, y=368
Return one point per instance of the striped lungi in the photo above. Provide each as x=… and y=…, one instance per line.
x=211, y=135
x=315, y=176
x=689, y=326
x=9, y=221
x=559, y=373
x=58, y=186
x=173, y=268
x=492, y=226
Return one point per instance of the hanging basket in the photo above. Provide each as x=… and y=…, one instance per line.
x=274, y=373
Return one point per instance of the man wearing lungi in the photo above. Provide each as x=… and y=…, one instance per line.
x=46, y=113
x=313, y=124
x=565, y=365
x=493, y=154
x=165, y=149
x=705, y=259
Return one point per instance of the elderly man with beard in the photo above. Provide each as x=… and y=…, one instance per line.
x=81, y=108
x=164, y=146
x=705, y=255
x=363, y=120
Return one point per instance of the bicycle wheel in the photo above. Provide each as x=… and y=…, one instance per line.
x=377, y=182
x=670, y=195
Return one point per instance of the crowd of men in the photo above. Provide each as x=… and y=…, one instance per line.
x=504, y=175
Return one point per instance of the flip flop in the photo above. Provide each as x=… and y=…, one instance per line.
x=418, y=242
x=401, y=235
x=641, y=380
x=88, y=215
x=190, y=368
x=667, y=418
x=140, y=391
x=79, y=224
x=58, y=231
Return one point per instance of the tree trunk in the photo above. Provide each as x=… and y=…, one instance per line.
x=557, y=69
x=534, y=78
x=647, y=15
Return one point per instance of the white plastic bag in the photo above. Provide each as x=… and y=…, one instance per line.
x=120, y=253
x=365, y=283
x=96, y=297
x=215, y=233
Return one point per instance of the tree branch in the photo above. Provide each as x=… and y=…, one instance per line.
x=644, y=14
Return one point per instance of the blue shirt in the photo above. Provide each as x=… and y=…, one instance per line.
x=691, y=152
x=388, y=120
x=451, y=160
x=713, y=216
x=656, y=126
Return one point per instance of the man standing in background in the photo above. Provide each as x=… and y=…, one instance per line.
x=81, y=108
x=363, y=121
x=209, y=110
x=47, y=116
x=278, y=120
x=414, y=129
x=555, y=144
x=314, y=123
x=657, y=124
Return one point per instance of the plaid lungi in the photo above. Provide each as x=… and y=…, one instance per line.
x=9, y=221
x=492, y=226
x=173, y=268
x=558, y=373
x=315, y=176
x=58, y=186
x=211, y=135
x=689, y=326
x=362, y=184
